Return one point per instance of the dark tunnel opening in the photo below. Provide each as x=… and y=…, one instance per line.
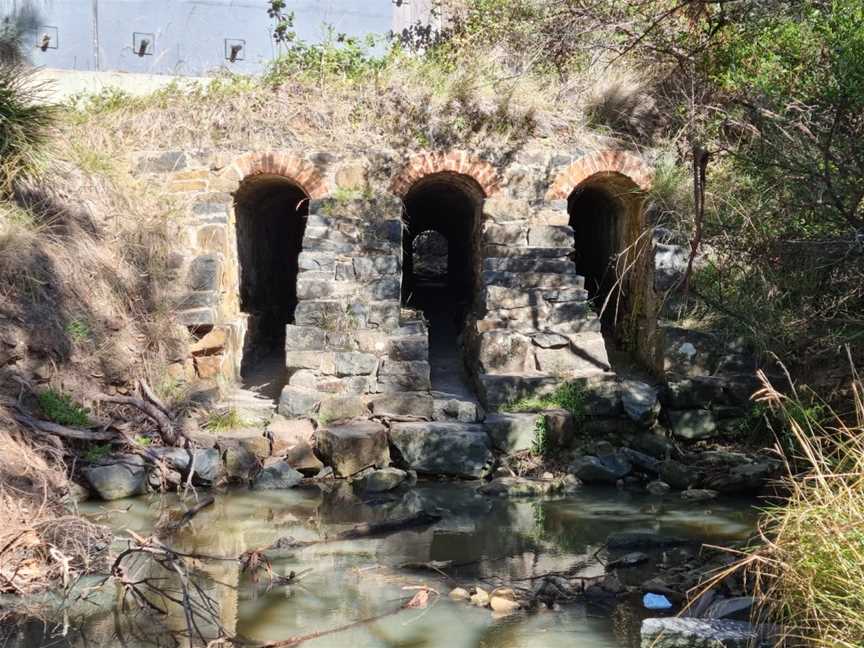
x=439, y=268
x=595, y=216
x=271, y=214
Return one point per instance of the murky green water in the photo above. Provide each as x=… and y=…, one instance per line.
x=489, y=540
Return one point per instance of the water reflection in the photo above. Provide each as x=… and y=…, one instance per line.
x=486, y=540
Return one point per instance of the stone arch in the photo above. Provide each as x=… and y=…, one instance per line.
x=298, y=170
x=606, y=193
x=598, y=165
x=452, y=163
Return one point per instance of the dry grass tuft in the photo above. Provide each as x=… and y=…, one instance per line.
x=808, y=573
x=41, y=545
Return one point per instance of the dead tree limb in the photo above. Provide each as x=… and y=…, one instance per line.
x=166, y=427
x=47, y=427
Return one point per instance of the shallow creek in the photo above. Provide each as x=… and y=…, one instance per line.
x=491, y=541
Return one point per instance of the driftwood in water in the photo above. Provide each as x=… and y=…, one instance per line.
x=174, y=525
x=368, y=530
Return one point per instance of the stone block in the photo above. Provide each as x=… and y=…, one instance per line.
x=415, y=347
x=304, y=338
x=503, y=210
x=213, y=341
x=507, y=234
x=207, y=466
x=688, y=353
x=384, y=314
x=304, y=359
x=345, y=271
x=351, y=176
x=500, y=297
x=316, y=261
x=351, y=363
x=164, y=162
x=212, y=238
x=387, y=288
x=340, y=408
x=511, y=432
x=394, y=375
x=601, y=470
x=499, y=389
x=375, y=267
x=677, y=632
x=380, y=481
x=451, y=449
x=505, y=352
x=118, y=477
x=208, y=367
x=296, y=401
x=205, y=273
x=531, y=280
x=550, y=236
x=571, y=362
x=198, y=299
x=693, y=425
x=560, y=428
x=277, y=476
x=240, y=463
x=603, y=397
x=397, y=405
x=352, y=447
x=640, y=401
x=531, y=264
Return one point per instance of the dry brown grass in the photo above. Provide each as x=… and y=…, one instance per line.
x=807, y=571
x=41, y=544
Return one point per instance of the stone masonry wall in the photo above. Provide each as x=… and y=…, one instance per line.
x=352, y=347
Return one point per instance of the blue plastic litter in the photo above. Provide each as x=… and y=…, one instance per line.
x=656, y=602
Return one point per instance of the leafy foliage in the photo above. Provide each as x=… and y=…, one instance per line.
x=569, y=396
x=59, y=407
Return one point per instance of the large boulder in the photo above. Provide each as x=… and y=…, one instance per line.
x=207, y=466
x=601, y=470
x=640, y=401
x=294, y=440
x=675, y=632
x=693, y=425
x=277, y=476
x=118, y=476
x=511, y=432
x=453, y=449
x=380, y=481
x=352, y=446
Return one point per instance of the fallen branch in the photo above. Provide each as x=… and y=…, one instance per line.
x=47, y=427
x=188, y=515
x=369, y=530
x=166, y=427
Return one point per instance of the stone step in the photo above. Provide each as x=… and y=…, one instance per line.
x=439, y=448
x=449, y=407
x=500, y=389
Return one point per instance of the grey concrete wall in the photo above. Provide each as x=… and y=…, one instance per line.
x=187, y=37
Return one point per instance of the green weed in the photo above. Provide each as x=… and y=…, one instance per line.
x=60, y=408
x=568, y=396
x=97, y=452
x=222, y=421
x=78, y=331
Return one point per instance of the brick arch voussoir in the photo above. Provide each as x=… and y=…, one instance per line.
x=455, y=162
x=601, y=163
x=299, y=170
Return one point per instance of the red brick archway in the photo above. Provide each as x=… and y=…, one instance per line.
x=600, y=163
x=294, y=168
x=452, y=162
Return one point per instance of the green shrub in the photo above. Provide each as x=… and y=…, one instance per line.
x=223, y=420
x=568, y=396
x=97, y=452
x=27, y=124
x=59, y=407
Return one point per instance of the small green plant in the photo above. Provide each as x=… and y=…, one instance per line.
x=221, y=421
x=60, y=408
x=540, y=443
x=143, y=441
x=78, y=331
x=569, y=396
x=97, y=452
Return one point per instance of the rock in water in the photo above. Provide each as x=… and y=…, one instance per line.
x=698, y=495
x=480, y=598
x=676, y=632
x=503, y=600
x=459, y=594
x=604, y=470
x=353, y=446
x=380, y=481
x=453, y=449
x=276, y=477
x=118, y=477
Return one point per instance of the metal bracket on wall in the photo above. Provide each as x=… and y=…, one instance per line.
x=234, y=49
x=143, y=44
x=49, y=38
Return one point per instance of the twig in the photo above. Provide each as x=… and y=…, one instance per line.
x=166, y=427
